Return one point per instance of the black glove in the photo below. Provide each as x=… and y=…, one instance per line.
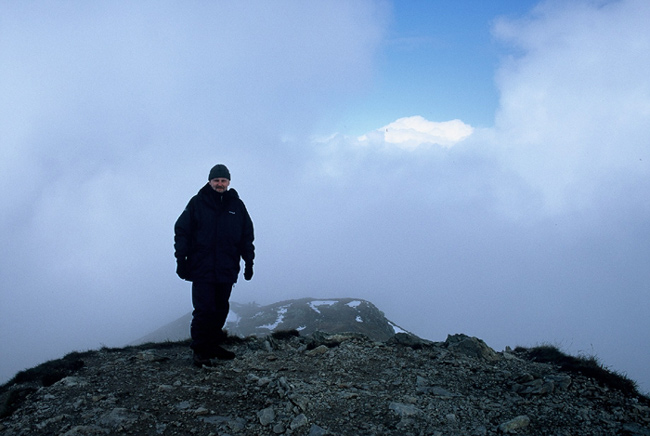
x=182, y=268
x=248, y=271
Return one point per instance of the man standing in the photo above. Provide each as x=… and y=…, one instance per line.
x=211, y=236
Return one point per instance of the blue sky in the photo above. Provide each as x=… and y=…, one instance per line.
x=437, y=60
x=469, y=167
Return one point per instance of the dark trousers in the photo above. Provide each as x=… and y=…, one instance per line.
x=211, y=306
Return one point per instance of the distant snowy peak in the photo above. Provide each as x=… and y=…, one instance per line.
x=308, y=315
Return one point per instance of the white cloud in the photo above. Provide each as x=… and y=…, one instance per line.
x=98, y=170
x=114, y=113
x=412, y=132
x=575, y=102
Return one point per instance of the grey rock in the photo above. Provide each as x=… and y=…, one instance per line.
x=404, y=410
x=471, y=346
x=315, y=430
x=86, y=430
x=515, y=424
x=299, y=421
x=408, y=340
x=634, y=429
x=117, y=417
x=183, y=405
x=266, y=416
x=321, y=349
x=300, y=401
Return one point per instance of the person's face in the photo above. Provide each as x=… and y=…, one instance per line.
x=220, y=184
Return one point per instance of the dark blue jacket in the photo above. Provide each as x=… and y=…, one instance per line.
x=211, y=236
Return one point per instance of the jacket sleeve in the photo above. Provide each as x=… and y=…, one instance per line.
x=183, y=233
x=246, y=247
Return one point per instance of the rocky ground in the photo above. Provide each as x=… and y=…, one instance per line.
x=320, y=385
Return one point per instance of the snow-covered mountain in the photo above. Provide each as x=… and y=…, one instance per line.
x=306, y=315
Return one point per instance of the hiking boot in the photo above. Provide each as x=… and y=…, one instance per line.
x=201, y=360
x=223, y=354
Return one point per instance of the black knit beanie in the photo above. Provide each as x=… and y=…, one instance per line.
x=219, y=171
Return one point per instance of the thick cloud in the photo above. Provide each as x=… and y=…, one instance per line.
x=534, y=230
x=112, y=115
x=412, y=132
x=575, y=100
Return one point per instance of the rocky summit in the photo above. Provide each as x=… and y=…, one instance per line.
x=289, y=383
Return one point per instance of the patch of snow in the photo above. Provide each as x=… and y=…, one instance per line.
x=301, y=328
x=358, y=319
x=397, y=329
x=281, y=311
x=233, y=318
x=354, y=304
x=314, y=304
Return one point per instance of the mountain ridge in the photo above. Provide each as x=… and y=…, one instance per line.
x=306, y=315
x=310, y=382
x=323, y=384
